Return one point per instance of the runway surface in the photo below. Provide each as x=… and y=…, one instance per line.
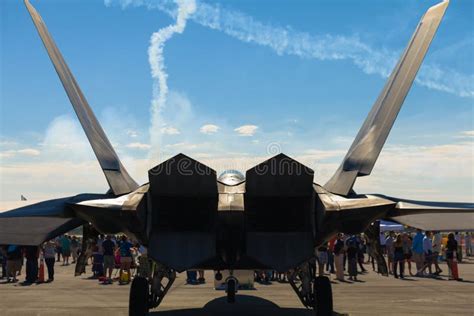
x=373, y=295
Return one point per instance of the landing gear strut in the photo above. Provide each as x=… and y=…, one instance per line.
x=231, y=288
x=148, y=292
x=314, y=292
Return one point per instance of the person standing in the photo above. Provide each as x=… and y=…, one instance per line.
x=31, y=254
x=14, y=259
x=382, y=239
x=144, y=268
x=458, y=238
x=468, y=244
x=59, y=250
x=339, y=257
x=418, y=253
x=97, y=263
x=352, y=251
x=437, y=241
x=74, y=248
x=49, y=248
x=398, y=257
x=361, y=250
x=3, y=255
x=407, y=244
x=451, y=249
x=108, y=246
x=201, y=279
x=330, y=265
x=100, y=240
x=65, y=248
x=390, y=250
x=428, y=252
x=125, y=257
x=191, y=277
x=322, y=258
x=370, y=252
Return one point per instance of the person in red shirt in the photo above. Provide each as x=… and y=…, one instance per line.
x=330, y=264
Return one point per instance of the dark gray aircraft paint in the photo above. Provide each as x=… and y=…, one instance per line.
x=273, y=218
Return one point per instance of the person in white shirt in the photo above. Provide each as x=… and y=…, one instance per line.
x=49, y=252
x=437, y=240
x=428, y=251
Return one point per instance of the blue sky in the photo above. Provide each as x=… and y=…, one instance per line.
x=240, y=84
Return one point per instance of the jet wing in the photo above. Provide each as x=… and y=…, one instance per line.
x=364, y=151
x=36, y=223
x=117, y=176
x=433, y=215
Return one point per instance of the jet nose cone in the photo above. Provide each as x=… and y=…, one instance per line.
x=231, y=177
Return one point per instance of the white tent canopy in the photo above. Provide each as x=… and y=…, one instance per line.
x=390, y=226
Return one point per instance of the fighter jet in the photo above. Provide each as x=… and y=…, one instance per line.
x=272, y=218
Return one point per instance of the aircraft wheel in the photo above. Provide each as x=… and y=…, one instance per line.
x=138, y=303
x=231, y=289
x=323, y=296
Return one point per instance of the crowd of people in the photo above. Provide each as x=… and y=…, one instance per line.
x=109, y=253
x=105, y=255
x=425, y=250
x=343, y=253
x=350, y=252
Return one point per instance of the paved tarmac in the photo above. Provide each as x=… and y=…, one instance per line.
x=372, y=295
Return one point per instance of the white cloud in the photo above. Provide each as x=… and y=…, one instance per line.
x=8, y=143
x=467, y=134
x=29, y=152
x=65, y=140
x=169, y=130
x=138, y=145
x=50, y=179
x=7, y=153
x=132, y=133
x=209, y=129
x=246, y=130
x=439, y=172
x=182, y=146
x=317, y=154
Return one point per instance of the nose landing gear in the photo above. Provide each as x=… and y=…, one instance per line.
x=231, y=286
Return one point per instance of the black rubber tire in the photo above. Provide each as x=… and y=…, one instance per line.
x=231, y=289
x=138, y=302
x=323, y=296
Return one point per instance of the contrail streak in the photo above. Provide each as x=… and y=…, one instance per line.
x=158, y=71
x=287, y=41
x=183, y=9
